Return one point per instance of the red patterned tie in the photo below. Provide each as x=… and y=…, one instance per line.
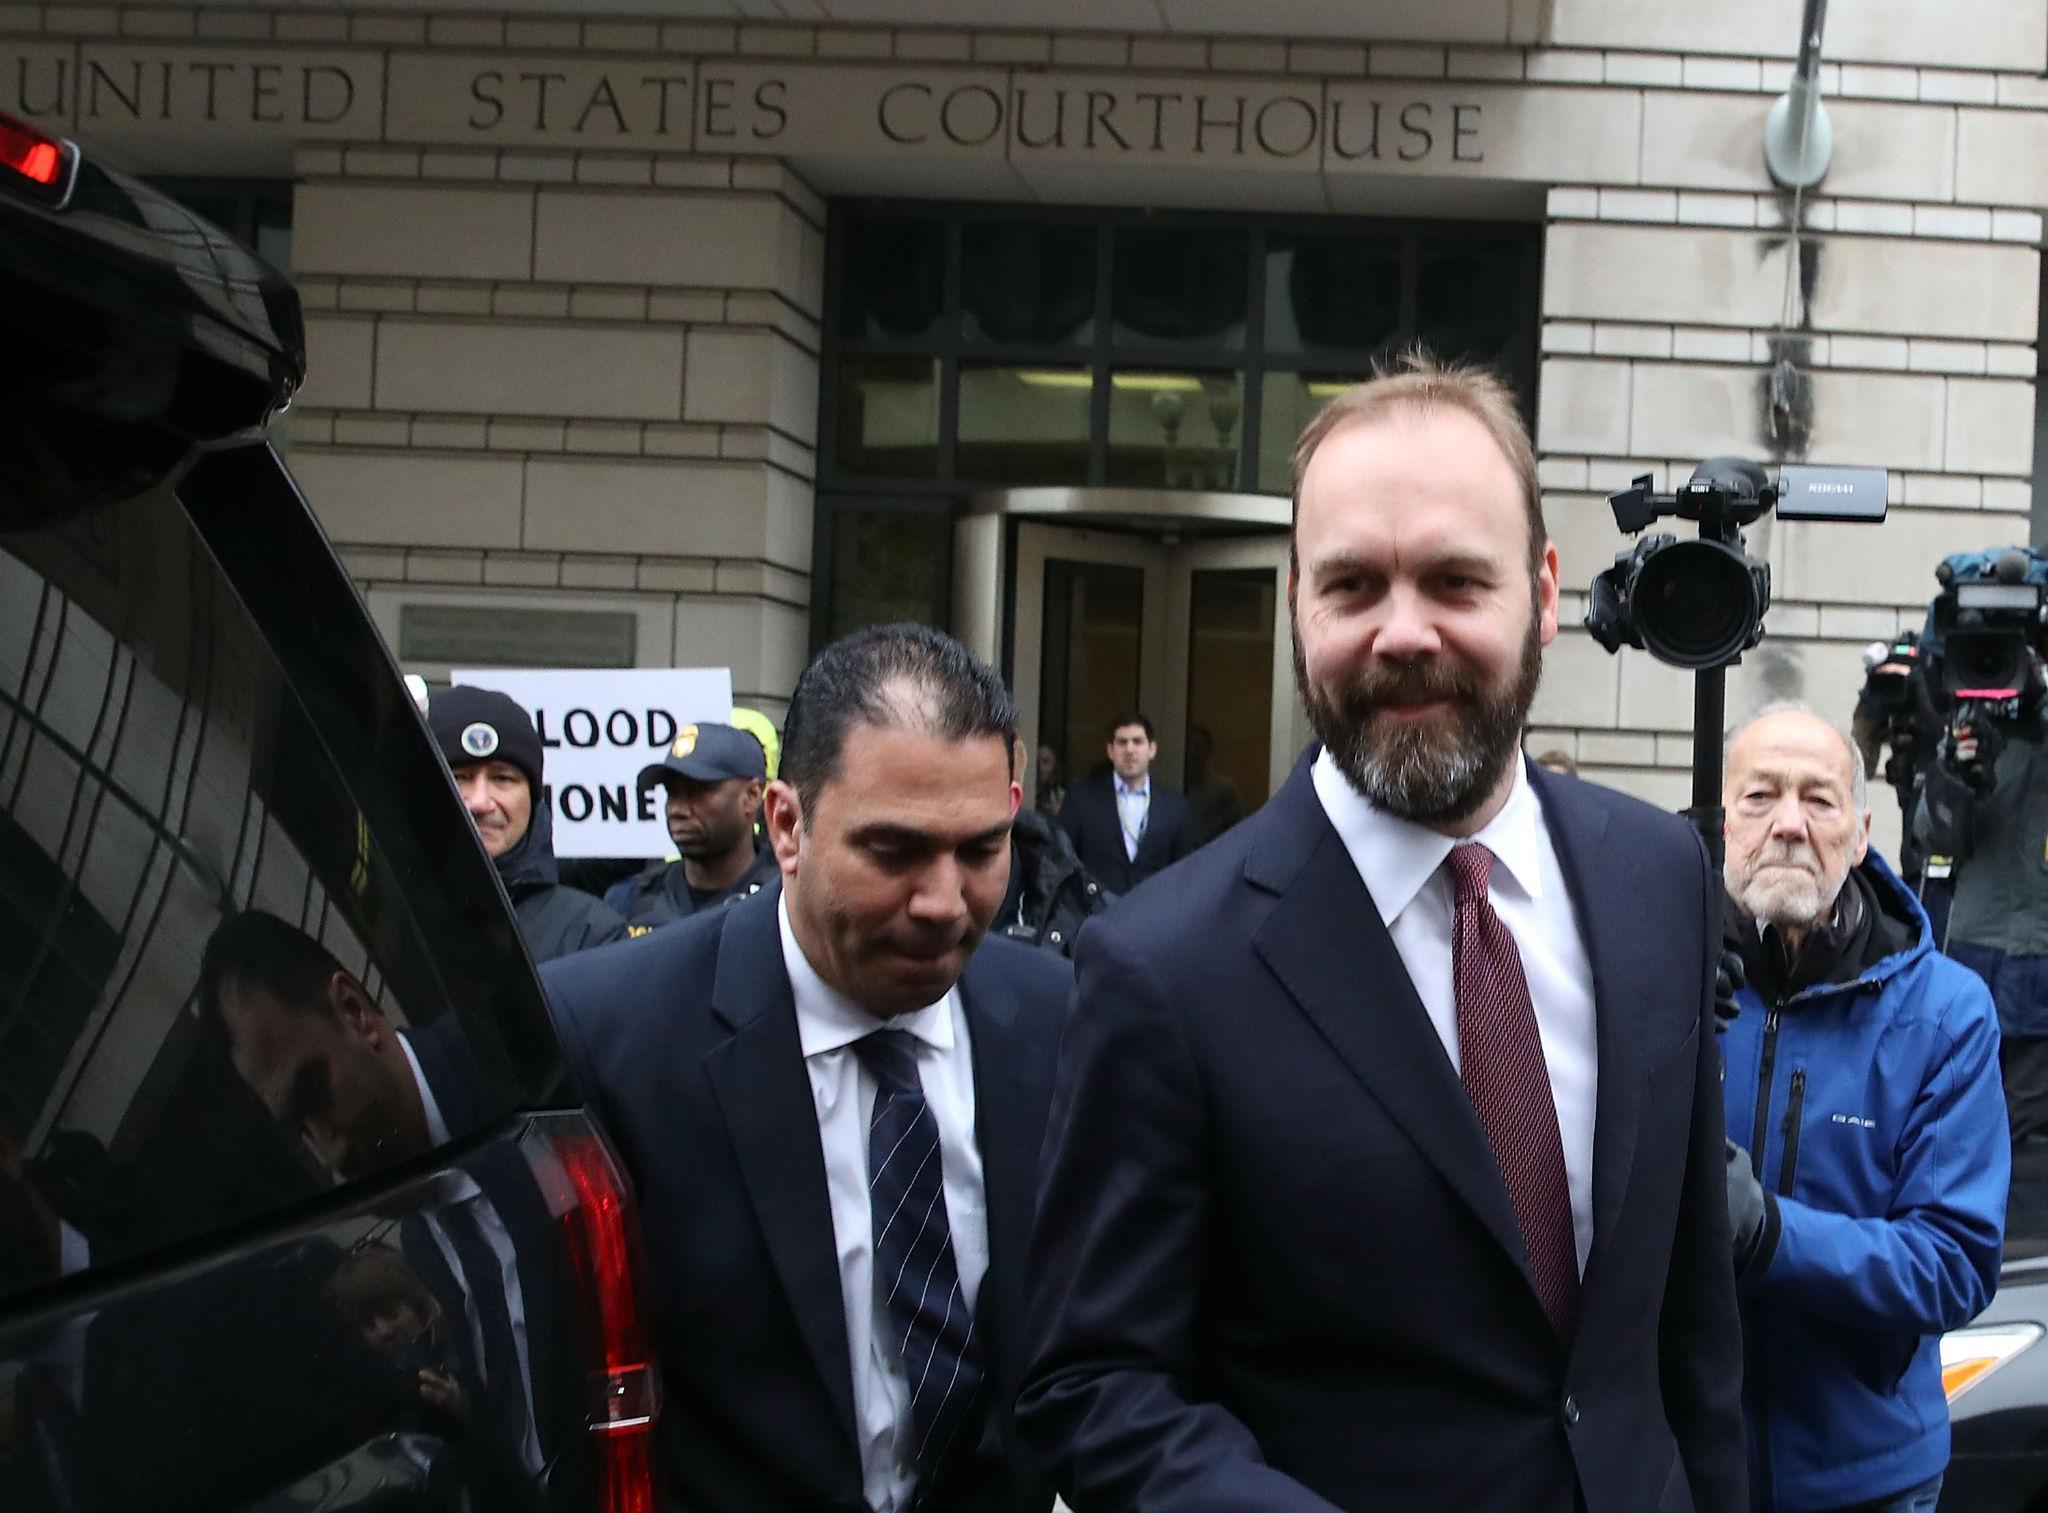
x=1500, y=1058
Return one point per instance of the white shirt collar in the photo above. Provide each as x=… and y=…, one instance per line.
x=1143, y=789
x=827, y=1020
x=437, y=1127
x=1404, y=855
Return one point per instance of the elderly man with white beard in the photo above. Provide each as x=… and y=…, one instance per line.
x=1867, y=1153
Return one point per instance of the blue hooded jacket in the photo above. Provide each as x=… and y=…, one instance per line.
x=1874, y=1112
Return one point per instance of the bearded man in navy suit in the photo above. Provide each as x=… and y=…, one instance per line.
x=1384, y=1170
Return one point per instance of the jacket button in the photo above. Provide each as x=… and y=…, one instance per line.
x=1055, y=937
x=1571, y=1411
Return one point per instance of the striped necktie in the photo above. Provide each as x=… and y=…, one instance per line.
x=917, y=1284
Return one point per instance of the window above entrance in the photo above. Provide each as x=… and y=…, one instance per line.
x=979, y=346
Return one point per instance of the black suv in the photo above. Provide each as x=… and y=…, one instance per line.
x=296, y=1210
x=1996, y=1370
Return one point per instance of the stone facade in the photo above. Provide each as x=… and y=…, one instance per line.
x=564, y=277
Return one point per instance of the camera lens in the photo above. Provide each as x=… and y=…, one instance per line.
x=1696, y=604
x=1986, y=659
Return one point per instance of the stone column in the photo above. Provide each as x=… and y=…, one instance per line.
x=539, y=370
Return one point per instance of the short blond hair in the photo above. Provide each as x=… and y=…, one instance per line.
x=1418, y=380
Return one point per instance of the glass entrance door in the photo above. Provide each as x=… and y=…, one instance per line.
x=1195, y=636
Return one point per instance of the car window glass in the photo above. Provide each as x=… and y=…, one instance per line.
x=166, y=801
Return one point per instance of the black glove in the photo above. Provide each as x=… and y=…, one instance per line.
x=1748, y=1208
x=1730, y=974
x=1948, y=822
x=1729, y=978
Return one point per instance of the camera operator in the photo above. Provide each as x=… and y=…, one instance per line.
x=1984, y=803
x=1895, y=720
x=1867, y=1160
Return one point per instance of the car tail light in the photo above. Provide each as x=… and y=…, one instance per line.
x=594, y=1213
x=1970, y=1355
x=32, y=161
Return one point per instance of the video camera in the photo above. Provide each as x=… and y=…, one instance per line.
x=1990, y=630
x=1896, y=710
x=1895, y=713
x=1985, y=631
x=1700, y=604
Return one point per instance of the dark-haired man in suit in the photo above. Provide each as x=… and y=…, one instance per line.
x=1126, y=824
x=1385, y=1171
x=831, y=1096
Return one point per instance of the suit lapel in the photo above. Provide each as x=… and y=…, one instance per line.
x=1152, y=845
x=1325, y=942
x=1622, y=977
x=1110, y=820
x=765, y=1095
x=1002, y=1126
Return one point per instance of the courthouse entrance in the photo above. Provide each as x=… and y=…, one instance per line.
x=1067, y=434
x=1167, y=603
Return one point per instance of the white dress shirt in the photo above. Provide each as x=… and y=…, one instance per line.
x=843, y=1091
x=1401, y=864
x=1133, y=810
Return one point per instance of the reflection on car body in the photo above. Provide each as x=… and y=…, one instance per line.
x=386, y=1262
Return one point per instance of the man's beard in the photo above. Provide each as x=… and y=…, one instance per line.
x=1437, y=770
x=1796, y=899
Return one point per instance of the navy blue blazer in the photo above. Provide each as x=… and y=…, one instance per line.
x=1090, y=816
x=1275, y=1265
x=684, y=1042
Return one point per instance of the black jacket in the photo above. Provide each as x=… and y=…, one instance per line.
x=554, y=919
x=1051, y=894
x=660, y=894
x=1090, y=817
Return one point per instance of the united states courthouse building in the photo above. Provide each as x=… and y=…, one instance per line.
x=696, y=333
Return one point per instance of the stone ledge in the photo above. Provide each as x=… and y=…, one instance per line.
x=711, y=577
x=1743, y=346
x=1278, y=55
x=573, y=304
x=1233, y=53
x=595, y=169
x=526, y=435
x=1904, y=219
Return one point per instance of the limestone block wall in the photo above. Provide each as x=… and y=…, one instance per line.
x=565, y=345
x=1907, y=306
x=575, y=371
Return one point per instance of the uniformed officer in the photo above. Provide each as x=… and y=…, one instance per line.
x=713, y=776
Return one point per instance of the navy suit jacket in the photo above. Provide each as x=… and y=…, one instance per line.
x=1090, y=816
x=685, y=1044
x=1275, y=1265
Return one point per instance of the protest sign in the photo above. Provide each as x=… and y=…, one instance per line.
x=598, y=728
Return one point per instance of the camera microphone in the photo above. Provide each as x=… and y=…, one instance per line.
x=1876, y=654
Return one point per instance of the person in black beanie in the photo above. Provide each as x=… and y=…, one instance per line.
x=494, y=753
